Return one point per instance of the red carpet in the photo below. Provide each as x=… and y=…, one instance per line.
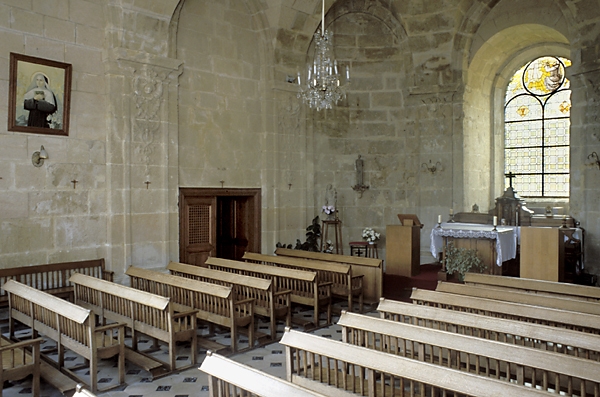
x=400, y=287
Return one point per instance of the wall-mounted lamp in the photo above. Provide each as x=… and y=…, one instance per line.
x=38, y=157
x=595, y=159
x=432, y=167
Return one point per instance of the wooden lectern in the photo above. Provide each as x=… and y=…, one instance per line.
x=403, y=246
x=542, y=253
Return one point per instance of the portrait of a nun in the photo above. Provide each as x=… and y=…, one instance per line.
x=40, y=101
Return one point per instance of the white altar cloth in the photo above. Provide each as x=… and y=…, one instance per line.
x=505, y=236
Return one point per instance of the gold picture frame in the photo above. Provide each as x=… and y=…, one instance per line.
x=39, y=95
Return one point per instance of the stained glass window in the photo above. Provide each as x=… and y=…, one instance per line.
x=537, y=114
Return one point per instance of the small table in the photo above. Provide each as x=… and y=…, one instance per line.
x=337, y=225
x=363, y=248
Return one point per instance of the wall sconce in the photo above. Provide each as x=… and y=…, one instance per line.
x=432, y=167
x=38, y=157
x=595, y=159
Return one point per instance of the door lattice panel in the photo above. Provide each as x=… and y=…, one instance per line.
x=199, y=224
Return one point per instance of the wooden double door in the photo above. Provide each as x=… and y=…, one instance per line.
x=221, y=223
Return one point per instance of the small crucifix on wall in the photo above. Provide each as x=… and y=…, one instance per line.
x=359, y=187
x=74, y=182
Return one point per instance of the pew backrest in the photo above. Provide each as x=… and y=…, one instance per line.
x=517, y=311
x=229, y=378
x=542, y=287
x=520, y=364
x=557, y=339
x=488, y=292
x=370, y=268
x=53, y=277
x=339, y=369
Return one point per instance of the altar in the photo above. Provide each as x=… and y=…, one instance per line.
x=493, y=245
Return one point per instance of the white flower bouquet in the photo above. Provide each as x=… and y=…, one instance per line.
x=329, y=209
x=370, y=235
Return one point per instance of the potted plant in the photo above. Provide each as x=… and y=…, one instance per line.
x=370, y=235
x=463, y=260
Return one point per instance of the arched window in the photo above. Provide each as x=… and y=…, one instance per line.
x=536, y=129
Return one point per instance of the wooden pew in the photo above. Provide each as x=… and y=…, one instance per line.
x=521, y=333
x=142, y=312
x=575, y=305
x=228, y=378
x=343, y=283
x=541, y=287
x=370, y=268
x=339, y=369
x=214, y=304
x=70, y=326
x=305, y=286
x=20, y=359
x=81, y=392
x=522, y=365
x=517, y=311
x=52, y=278
x=267, y=302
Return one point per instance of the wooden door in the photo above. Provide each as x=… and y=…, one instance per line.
x=222, y=223
x=233, y=227
x=198, y=234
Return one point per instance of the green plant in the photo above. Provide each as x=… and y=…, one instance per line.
x=462, y=261
x=313, y=234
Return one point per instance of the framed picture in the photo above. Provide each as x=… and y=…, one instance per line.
x=39, y=95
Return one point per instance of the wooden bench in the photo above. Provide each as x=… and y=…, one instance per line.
x=521, y=333
x=20, y=359
x=228, y=378
x=70, y=326
x=267, y=302
x=343, y=283
x=214, y=304
x=541, y=287
x=574, y=305
x=517, y=311
x=81, y=392
x=339, y=369
x=525, y=366
x=142, y=312
x=52, y=278
x=304, y=285
x=370, y=268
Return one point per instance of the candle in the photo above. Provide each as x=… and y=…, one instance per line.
x=451, y=211
x=439, y=219
x=495, y=220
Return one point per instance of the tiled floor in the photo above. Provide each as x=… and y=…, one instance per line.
x=189, y=382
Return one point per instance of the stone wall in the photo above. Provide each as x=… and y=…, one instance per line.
x=191, y=93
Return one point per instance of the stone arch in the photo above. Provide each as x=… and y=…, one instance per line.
x=497, y=46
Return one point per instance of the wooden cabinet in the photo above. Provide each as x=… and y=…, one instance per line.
x=402, y=249
x=542, y=253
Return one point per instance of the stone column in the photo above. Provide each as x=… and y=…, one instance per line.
x=142, y=159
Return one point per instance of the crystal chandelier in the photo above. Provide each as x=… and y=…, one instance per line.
x=322, y=87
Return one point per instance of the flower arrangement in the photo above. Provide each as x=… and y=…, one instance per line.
x=329, y=209
x=370, y=235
